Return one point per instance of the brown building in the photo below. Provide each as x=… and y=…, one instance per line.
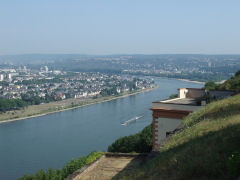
x=172, y=111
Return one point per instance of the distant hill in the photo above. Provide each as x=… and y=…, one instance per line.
x=38, y=58
x=197, y=67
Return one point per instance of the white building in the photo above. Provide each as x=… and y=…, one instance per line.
x=46, y=68
x=9, y=77
x=81, y=95
x=1, y=77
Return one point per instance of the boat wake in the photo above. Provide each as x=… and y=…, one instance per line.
x=131, y=120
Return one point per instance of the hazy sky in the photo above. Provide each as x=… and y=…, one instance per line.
x=119, y=26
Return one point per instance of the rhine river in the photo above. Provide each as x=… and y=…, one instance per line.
x=29, y=145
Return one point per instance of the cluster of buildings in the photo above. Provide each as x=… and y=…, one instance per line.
x=6, y=74
x=58, y=85
x=7, y=77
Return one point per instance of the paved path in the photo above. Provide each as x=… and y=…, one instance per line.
x=110, y=166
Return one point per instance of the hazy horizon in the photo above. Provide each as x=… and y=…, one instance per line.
x=122, y=54
x=120, y=27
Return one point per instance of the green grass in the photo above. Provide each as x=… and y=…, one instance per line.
x=207, y=147
x=93, y=156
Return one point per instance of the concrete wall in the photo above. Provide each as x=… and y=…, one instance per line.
x=182, y=92
x=198, y=93
x=195, y=93
x=220, y=94
x=162, y=125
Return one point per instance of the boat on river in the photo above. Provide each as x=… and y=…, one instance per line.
x=131, y=120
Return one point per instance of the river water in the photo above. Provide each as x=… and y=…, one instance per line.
x=29, y=145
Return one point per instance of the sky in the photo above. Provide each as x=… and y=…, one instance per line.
x=120, y=26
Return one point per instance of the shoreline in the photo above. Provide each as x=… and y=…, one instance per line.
x=92, y=103
x=187, y=80
x=79, y=106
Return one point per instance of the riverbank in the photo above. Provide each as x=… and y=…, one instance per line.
x=187, y=80
x=54, y=107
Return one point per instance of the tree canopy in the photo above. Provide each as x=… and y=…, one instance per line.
x=140, y=142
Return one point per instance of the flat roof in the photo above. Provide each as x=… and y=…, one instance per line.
x=180, y=101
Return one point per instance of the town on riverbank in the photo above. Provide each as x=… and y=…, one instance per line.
x=28, y=93
x=58, y=106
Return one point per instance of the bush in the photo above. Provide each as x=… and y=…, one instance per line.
x=173, y=96
x=93, y=156
x=69, y=168
x=140, y=142
x=210, y=85
x=73, y=165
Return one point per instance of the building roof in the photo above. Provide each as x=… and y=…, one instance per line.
x=179, y=104
x=184, y=101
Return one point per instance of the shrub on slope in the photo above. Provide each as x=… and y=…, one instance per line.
x=232, y=84
x=140, y=142
x=69, y=168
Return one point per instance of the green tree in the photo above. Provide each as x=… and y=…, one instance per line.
x=172, y=96
x=140, y=142
x=210, y=85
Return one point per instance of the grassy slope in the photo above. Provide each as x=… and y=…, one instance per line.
x=201, y=149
